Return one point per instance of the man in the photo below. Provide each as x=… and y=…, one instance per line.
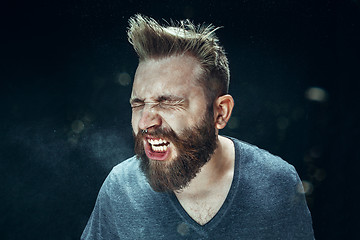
x=186, y=181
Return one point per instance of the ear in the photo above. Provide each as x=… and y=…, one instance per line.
x=223, y=107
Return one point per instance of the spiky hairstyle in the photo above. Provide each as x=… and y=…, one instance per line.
x=152, y=41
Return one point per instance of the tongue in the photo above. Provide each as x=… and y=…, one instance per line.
x=160, y=156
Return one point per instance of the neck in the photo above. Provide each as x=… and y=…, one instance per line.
x=219, y=170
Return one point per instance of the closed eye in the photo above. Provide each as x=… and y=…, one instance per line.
x=167, y=102
x=136, y=103
x=173, y=104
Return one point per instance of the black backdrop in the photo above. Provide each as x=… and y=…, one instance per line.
x=66, y=71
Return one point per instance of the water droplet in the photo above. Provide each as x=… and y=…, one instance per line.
x=77, y=126
x=316, y=94
x=183, y=229
x=305, y=187
x=124, y=79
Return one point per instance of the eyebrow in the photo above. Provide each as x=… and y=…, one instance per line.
x=170, y=98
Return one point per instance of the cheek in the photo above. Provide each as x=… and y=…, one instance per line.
x=196, y=117
x=177, y=122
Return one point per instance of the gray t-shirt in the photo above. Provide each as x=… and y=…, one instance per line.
x=265, y=201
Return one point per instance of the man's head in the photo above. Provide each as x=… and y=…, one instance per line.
x=178, y=100
x=154, y=41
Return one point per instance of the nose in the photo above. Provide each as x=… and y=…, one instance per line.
x=150, y=119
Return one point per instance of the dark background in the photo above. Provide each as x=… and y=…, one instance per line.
x=66, y=71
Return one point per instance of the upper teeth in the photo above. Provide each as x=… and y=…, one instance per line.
x=156, y=141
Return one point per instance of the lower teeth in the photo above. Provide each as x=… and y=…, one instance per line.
x=159, y=148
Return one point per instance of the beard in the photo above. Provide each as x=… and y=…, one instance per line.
x=194, y=147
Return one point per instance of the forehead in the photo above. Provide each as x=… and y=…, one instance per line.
x=175, y=75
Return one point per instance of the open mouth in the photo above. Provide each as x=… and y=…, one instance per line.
x=158, y=145
x=157, y=148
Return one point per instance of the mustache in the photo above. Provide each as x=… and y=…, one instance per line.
x=182, y=143
x=167, y=133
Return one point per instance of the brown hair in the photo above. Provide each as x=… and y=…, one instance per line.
x=152, y=40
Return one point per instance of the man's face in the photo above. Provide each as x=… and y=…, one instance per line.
x=168, y=102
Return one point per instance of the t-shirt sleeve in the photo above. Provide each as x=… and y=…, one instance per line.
x=297, y=215
x=101, y=224
x=273, y=197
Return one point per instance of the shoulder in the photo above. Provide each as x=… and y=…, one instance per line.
x=124, y=178
x=263, y=162
x=271, y=188
x=263, y=172
x=126, y=169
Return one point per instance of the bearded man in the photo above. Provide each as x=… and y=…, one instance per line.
x=186, y=181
